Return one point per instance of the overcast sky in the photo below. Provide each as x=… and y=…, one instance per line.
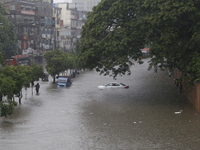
x=57, y=1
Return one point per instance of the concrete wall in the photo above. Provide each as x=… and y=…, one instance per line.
x=194, y=96
x=193, y=93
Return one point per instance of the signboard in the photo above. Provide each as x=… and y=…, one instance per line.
x=26, y=12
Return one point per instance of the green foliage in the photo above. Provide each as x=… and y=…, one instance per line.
x=15, y=78
x=58, y=61
x=12, y=80
x=6, y=108
x=8, y=42
x=37, y=72
x=173, y=31
x=116, y=30
x=110, y=38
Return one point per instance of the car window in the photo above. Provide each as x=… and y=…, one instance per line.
x=109, y=84
x=122, y=84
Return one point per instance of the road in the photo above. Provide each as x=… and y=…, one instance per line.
x=82, y=117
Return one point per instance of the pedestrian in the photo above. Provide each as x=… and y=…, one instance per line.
x=37, y=86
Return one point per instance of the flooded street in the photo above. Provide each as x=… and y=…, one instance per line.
x=82, y=117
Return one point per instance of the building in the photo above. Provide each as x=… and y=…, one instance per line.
x=41, y=25
x=56, y=13
x=33, y=23
x=84, y=5
x=69, y=30
x=46, y=25
x=23, y=16
x=34, y=26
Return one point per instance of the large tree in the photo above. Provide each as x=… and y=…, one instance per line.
x=110, y=37
x=58, y=61
x=12, y=80
x=116, y=30
x=174, y=33
x=8, y=42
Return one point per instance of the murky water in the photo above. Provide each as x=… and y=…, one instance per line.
x=83, y=117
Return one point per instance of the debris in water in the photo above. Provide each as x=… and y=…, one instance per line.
x=179, y=112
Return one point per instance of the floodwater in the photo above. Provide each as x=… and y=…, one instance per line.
x=151, y=115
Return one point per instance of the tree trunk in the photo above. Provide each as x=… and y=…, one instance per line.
x=54, y=79
x=20, y=97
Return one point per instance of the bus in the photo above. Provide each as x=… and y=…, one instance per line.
x=16, y=60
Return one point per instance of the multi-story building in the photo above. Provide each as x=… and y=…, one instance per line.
x=58, y=23
x=34, y=26
x=22, y=15
x=70, y=26
x=84, y=5
x=41, y=25
x=46, y=25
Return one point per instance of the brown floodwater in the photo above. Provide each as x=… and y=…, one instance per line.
x=151, y=115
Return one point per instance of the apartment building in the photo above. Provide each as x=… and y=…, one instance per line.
x=41, y=25
x=22, y=15
x=71, y=22
x=84, y=5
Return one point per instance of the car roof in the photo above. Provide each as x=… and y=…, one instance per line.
x=113, y=82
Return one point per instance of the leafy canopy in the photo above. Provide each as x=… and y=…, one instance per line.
x=110, y=37
x=12, y=80
x=58, y=61
x=174, y=32
x=116, y=30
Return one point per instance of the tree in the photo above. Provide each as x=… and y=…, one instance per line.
x=8, y=42
x=110, y=38
x=116, y=30
x=57, y=62
x=37, y=72
x=173, y=31
x=12, y=80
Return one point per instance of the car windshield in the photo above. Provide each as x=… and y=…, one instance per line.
x=109, y=84
x=62, y=80
x=123, y=84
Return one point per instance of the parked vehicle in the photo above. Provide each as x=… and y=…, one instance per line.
x=64, y=81
x=45, y=77
x=18, y=60
x=113, y=85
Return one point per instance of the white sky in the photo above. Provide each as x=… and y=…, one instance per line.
x=57, y=1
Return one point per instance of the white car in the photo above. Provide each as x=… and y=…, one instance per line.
x=113, y=85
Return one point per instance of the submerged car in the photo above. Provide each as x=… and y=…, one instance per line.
x=64, y=81
x=113, y=85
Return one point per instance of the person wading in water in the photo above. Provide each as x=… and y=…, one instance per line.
x=37, y=87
